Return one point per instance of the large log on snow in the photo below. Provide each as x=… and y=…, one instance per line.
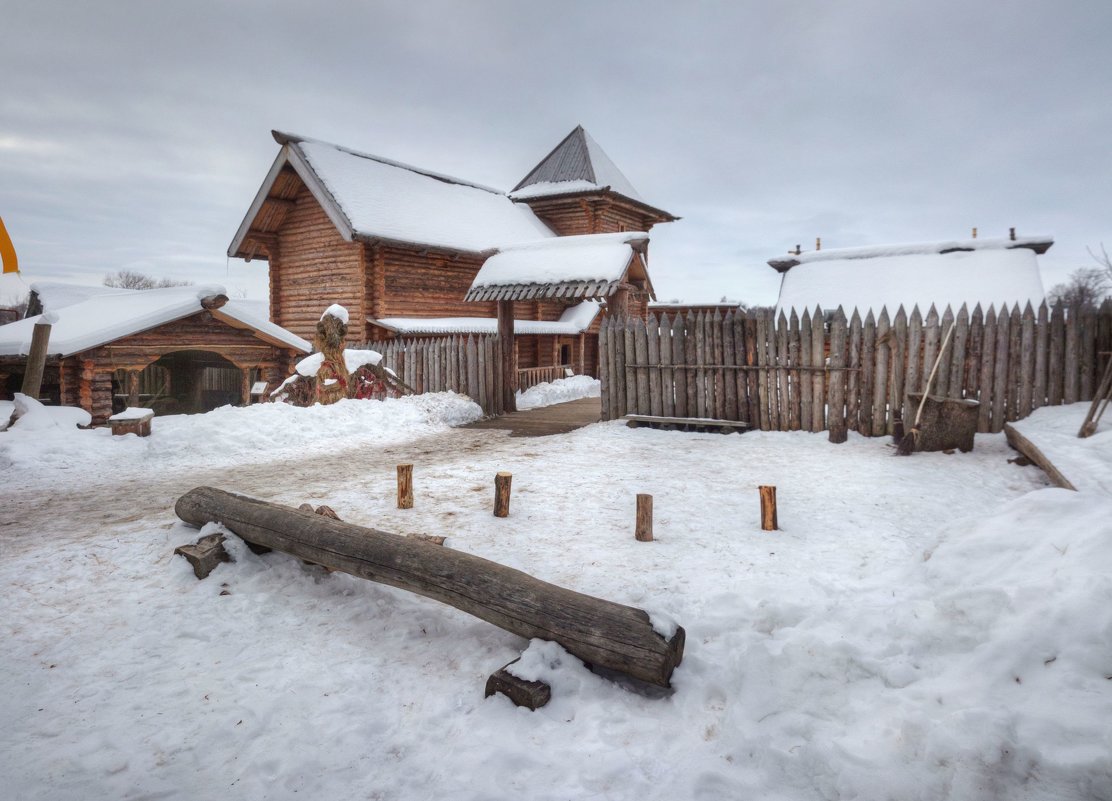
x=600, y=632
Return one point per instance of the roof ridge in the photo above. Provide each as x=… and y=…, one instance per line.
x=283, y=138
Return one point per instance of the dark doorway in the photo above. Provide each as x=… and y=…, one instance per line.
x=189, y=382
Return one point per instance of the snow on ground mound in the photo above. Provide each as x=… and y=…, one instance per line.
x=1087, y=463
x=34, y=416
x=264, y=431
x=561, y=390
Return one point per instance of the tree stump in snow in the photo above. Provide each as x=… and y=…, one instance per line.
x=205, y=554
x=946, y=423
x=643, y=530
x=768, y=508
x=502, y=483
x=405, y=486
x=529, y=694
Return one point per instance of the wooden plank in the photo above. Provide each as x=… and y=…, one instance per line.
x=691, y=359
x=636, y=420
x=599, y=632
x=783, y=402
x=868, y=375
x=762, y=374
x=1088, y=352
x=752, y=394
x=988, y=363
x=818, y=379
x=1071, y=388
x=604, y=368
x=656, y=402
x=1015, y=359
x=958, y=344
x=880, y=383
x=641, y=374
x=897, y=370
x=1000, y=373
x=622, y=352
x=853, y=380
x=473, y=369
x=679, y=357
x=942, y=376
x=1057, y=356
x=1042, y=349
x=795, y=400
x=729, y=359
x=914, y=354
x=1032, y=452
x=837, y=410
x=1027, y=366
x=701, y=359
x=805, y=387
x=667, y=374
x=718, y=356
x=932, y=337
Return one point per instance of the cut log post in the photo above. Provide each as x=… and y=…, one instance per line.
x=502, y=494
x=644, y=529
x=36, y=360
x=507, y=360
x=529, y=694
x=768, y=508
x=405, y=486
x=205, y=554
x=601, y=633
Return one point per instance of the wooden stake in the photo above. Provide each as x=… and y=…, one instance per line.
x=644, y=530
x=768, y=508
x=508, y=362
x=405, y=486
x=36, y=360
x=502, y=494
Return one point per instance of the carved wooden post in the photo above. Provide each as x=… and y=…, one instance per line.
x=509, y=358
x=768, y=508
x=133, y=388
x=644, y=529
x=36, y=360
x=405, y=486
x=502, y=494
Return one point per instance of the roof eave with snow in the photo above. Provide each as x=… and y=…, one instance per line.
x=1038, y=244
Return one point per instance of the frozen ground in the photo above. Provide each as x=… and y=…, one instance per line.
x=922, y=628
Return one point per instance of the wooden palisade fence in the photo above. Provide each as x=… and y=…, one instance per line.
x=468, y=365
x=813, y=373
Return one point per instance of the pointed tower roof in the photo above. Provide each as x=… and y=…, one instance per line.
x=577, y=164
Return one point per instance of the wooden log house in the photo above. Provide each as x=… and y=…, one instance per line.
x=103, y=339
x=399, y=246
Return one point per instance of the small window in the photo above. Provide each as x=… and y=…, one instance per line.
x=622, y=227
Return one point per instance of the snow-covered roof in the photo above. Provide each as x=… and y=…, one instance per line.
x=369, y=198
x=577, y=164
x=591, y=265
x=575, y=320
x=1037, y=244
x=87, y=317
x=982, y=271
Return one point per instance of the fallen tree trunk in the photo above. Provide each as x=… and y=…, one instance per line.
x=599, y=632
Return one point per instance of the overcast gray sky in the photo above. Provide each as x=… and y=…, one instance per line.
x=134, y=135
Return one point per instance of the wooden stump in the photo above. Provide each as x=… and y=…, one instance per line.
x=502, y=494
x=529, y=694
x=644, y=529
x=405, y=486
x=946, y=423
x=205, y=554
x=768, y=508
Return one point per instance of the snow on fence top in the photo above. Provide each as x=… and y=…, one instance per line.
x=985, y=271
x=590, y=265
x=383, y=199
x=575, y=320
x=87, y=317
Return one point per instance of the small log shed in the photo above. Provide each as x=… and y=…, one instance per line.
x=185, y=330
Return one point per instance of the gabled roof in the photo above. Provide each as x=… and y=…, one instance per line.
x=574, y=320
x=588, y=266
x=370, y=198
x=992, y=272
x=87, y=317
x=576, y=164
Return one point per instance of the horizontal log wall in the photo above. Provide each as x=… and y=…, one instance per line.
x=814, y=373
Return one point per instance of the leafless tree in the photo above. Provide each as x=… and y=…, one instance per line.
x=1086, y=286
x=129, y=279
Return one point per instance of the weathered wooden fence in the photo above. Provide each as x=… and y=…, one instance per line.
x=814, y=373
x=464, y=364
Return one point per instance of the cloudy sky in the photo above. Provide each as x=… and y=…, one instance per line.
x=134, y=135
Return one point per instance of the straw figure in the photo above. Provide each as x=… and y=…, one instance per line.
x=333, y=378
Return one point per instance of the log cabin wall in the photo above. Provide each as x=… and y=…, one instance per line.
x=591, y=214
x=315, y=267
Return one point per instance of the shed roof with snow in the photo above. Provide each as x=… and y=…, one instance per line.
x=87, y=317
x=369, y=198
x=586, y=266
x=987, y=271
x=574, y=320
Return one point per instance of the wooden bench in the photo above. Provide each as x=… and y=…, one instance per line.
x=685, y=423
x=132, y=420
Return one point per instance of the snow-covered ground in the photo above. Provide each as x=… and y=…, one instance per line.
x=922, y=628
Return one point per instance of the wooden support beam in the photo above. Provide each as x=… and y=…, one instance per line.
x=601, y=633
x=508, y=364
x=36, y=360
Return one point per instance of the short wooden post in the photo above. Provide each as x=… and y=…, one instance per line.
x=405, y=486
x=644, y=530
x=502, y=494
x=36, y=360
x=132, y=388
x=768, y=508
